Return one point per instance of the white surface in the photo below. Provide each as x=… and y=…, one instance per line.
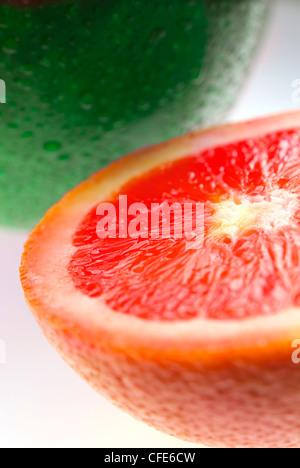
x=269, y=86
x=42, y=402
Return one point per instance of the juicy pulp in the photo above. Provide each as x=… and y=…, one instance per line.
x=249, y=263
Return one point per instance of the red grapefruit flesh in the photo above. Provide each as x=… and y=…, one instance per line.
x=196, y=342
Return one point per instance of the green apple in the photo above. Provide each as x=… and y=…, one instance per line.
x=88, y=81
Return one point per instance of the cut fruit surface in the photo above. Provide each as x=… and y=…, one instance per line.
x=252, y=237
x=195, y=339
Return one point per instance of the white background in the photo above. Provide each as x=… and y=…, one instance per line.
x=42, y=402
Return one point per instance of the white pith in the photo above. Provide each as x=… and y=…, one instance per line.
x=232, y=217
x=54, y=295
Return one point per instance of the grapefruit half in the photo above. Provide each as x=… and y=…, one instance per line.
x=196, y=342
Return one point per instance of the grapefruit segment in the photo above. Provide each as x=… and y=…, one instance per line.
x=196, y=342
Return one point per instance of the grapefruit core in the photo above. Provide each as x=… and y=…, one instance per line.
x=196, y=343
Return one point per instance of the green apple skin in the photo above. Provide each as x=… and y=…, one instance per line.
x=89, y=81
